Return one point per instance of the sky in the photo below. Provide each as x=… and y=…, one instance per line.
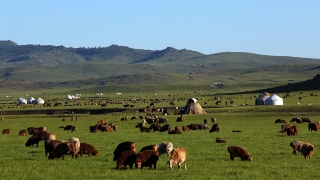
x=272, y=27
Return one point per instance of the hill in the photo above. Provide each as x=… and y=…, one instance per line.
x=100, y=66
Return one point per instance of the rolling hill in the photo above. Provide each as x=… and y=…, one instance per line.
x=48, y=65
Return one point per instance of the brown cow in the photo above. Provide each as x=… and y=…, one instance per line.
x=193, y=126
x=50, y=145
x=147, y=158
x=144, y=129
x=185, y=128
x=218, y=140
x=307, y=150
x=178, y=156
x=124, y=118
x=100, y=121
x=306, y=119
x=72, y=146
x=155, y=127
x=313, y=127
x=23, y=132
x=215, y=127
x=94, y=128
x=297, y=146
x=166, y=127
x=150, y=147
x=181, y=118
x=292, y=131
x=6, y=131
x=88, y=149
x=68, y=127
x=126, y=158
x=237, y=151
x=123, y=146
x=280, y=121
x=297, y=120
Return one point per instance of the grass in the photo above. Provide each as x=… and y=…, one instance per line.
x=272, y=155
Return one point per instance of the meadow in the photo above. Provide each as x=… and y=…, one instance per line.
x=206, y=159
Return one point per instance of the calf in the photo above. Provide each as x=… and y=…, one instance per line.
x=23, y=132
x=280, y=121
x=68, y=127
x=6, y=131
x=124, y=118
x=215, y=127
x=88, y=149
x=144, y=129
x=147, y=158
x=237, y=151
x=203, y=126
x=218, y=140
x=166, y=127
x=193, y=126
x=105, y=128
x=155, y=127
x=180, y=119
x=94, y=128
x=178, y=156
x=185, y=128
x=100, y=121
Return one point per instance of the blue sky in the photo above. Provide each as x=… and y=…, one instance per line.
x=272, y=27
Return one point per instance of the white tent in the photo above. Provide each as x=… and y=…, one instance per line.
x=192, y=107
x=274, y=100
x=22, y=101
x=30, y=100
x=69, y=97
x=39, y=101
x=262, y=98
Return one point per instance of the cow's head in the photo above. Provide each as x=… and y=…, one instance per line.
x=171, y=163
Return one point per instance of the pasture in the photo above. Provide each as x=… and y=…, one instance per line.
x=206, y=159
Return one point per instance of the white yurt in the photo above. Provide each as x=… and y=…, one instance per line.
x=274, y=100
x=69, y=97
x=30, y=100
x=39, y=101
x=261, y=99
x=22, y=101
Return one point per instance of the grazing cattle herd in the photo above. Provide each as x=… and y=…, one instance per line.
x=125, y=153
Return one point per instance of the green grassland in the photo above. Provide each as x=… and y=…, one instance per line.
x=272, y=155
